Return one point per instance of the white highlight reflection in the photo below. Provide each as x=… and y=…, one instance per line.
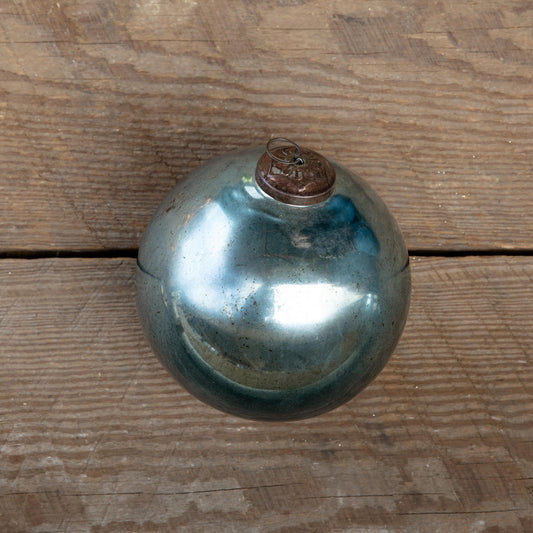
x=201, y=268
x=312, y=303
x=253, y=192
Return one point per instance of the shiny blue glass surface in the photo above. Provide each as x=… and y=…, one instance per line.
x=268, y=310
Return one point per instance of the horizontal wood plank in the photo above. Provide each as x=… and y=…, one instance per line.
x=96, y=436
x=105, y=104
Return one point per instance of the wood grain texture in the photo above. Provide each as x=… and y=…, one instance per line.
x=105, y=104
x=95, y=436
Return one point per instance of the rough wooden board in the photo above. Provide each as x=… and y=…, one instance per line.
x=105, y=104
x=95, y=436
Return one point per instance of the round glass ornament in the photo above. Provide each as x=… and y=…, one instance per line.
x=273, y=285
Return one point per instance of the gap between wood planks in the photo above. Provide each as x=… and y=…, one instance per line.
x=117, y=253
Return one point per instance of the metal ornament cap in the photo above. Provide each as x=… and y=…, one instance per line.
x=294, y=175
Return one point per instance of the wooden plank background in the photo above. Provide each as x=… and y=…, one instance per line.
x=105, y=104
x=96, y=434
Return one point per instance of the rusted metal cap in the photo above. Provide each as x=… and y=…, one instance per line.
x=294, y=175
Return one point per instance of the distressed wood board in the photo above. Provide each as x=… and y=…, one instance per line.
x=96, y=436
x=104, y=105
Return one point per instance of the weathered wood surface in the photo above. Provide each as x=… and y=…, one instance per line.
x=105, y=104
x=95, y=436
